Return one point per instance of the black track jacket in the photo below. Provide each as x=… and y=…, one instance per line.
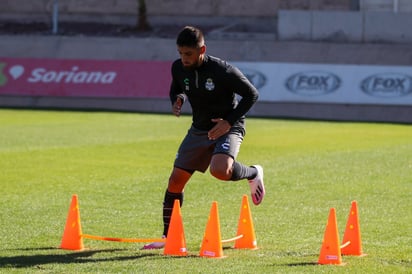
x=211, y=90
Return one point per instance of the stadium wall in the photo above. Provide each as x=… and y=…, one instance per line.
x=345, y=27
x=43, y=48
x=345, y=46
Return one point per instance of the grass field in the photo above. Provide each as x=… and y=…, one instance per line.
x=118, y=164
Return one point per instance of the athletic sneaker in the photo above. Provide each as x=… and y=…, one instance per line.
x=257, y=188
x=155, y=245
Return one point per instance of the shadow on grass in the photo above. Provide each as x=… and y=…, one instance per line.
x=301, y=264
x=305, y=259
x=23, y=261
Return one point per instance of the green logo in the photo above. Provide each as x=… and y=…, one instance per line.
x=186, y=81
x=3, y=78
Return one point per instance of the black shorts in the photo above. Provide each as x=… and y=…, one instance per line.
x=196, y=150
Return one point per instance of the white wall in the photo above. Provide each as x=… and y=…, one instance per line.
x=386, y=5
x=341, y=26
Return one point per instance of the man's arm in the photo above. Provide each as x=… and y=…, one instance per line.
x=241, y=85
x=177, y=97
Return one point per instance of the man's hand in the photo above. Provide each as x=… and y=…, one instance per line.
x=177, y=106
x=221, y=128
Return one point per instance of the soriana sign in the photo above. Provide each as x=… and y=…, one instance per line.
x=84, y=78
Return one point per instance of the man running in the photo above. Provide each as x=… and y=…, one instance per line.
x=218, y=123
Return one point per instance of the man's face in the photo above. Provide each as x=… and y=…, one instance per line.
x=191, y=57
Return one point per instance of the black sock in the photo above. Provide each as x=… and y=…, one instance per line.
x=241, y=171
x=168, y=208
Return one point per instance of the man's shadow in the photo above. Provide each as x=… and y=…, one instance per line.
x=23, y=261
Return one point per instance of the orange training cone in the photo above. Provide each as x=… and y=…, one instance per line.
x=352, y=244
x=72, y=236
x=212, y=242
x=175, y=241
x=245, y=227
x=330, y=251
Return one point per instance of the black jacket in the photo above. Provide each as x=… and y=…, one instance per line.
x=211, y=90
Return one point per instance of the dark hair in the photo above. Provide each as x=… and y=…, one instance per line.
x=190, y=37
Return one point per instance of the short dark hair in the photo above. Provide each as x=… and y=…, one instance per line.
x=190, y=37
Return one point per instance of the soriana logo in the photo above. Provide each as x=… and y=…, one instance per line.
x=96, y=78
x=75, y=75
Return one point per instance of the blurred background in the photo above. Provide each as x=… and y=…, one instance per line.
x=332, y=33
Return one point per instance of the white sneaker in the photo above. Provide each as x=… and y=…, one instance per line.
x=257, y=187
x=155, y=245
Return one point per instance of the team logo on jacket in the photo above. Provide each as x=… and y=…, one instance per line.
x=209, y=85
x=186, y=81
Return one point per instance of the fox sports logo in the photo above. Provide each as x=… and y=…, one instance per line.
x=313, y=83
x=387, y=85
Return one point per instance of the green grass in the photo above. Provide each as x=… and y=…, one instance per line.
x=119, y=163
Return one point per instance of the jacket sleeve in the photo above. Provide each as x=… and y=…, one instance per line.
x=241, y=85
x=175, y=89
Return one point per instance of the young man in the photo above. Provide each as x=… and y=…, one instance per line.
x=210, y=85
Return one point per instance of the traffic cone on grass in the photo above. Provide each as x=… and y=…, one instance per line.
x=212, y=241
x=175, y=241
x=245, y=227
x=330, y=250
x=352, y=243
x=72, y=236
